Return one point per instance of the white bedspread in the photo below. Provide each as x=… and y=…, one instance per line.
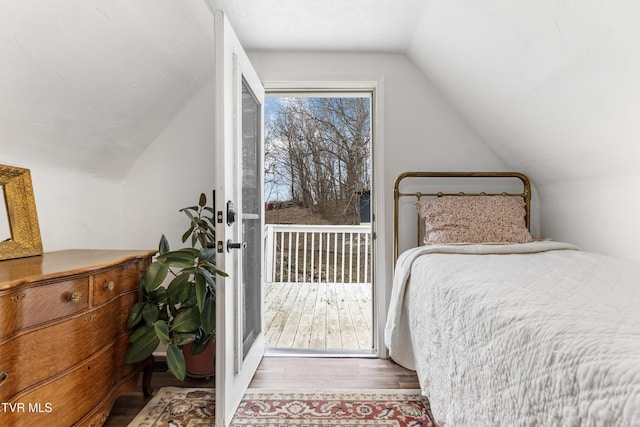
x=536, y=334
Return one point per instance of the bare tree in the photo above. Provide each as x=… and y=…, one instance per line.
x=320, y=149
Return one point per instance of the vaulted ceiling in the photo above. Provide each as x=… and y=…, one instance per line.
x=90, y=84
x=326, y=25
x=552, y=86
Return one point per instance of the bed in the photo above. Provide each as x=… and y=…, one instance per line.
x=512, y=333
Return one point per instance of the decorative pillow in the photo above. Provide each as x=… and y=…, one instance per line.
x=474, y=219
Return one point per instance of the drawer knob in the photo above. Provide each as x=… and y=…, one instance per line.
x=108, y=286
x=18, y=297
x=3, y=377
x=75, y=297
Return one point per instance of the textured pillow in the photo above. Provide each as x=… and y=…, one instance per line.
x=474, y=219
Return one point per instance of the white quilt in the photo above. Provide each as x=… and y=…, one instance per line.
x=536, y=334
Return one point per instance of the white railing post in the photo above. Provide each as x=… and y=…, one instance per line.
x=313, y=251
x=366, y=258
x=281, y=233
x=297, y=255
x=269, y=253
x=335, y=257
x=304, y=260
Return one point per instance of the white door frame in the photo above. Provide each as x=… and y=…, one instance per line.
x=374, y=86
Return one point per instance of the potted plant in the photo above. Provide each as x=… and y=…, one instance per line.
x=183, y=312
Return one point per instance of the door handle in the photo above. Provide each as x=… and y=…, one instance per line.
x=231, y=213
x=232, y=245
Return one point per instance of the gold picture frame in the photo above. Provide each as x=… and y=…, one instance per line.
x=21, y=212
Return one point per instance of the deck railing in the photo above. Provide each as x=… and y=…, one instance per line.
x=318, y=253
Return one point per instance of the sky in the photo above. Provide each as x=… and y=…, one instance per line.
x=273, y=192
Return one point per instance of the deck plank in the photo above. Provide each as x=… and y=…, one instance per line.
x=272, y=304
x=334, y=340
x=347, y=329
x=318, y=316
x=305, y=324
x=293, y=319
x=363, y=315
x=274, y=330
x=319, y=331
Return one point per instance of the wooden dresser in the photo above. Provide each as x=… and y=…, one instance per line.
x=63, y=335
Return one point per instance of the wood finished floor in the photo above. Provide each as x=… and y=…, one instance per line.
x=286, y=373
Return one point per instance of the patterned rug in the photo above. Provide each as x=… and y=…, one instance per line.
x=190, y=407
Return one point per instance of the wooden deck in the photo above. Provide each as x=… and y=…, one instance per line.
x=318, y=316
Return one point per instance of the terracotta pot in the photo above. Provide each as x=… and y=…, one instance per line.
x=201, y=365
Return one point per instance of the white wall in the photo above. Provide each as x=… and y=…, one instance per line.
x=170, y=175
x=554, y=88
x=420, y=131
x=599, y=214
x=76, y=209
x=88, y=85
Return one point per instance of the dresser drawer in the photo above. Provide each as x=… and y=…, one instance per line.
x=63, y=401
x=64, y=345
x=26, y=307
x=111, y=283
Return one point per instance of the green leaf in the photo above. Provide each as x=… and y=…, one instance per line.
x=186, y=235
x=155, y=275
x=135, y=315
x=199, y=346
x=208, y=277
x=212, y=239
x=191, y=301
x=211, y=225
x=183, y=338
x=189, y=214
x=164, y=315
x=201, y=290
x=208, y=316
x=140, y=331
x=203, y=200
x=150, y=313
x=181, y=258
x=187, y=320
x=180, y=288
x=159, y=295
x=143, y=345
x=211, y=269
x=162, y=331
x=207, y=254
x=164, y=245
x=175, y=362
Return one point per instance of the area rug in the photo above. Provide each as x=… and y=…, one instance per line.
x=189, y=407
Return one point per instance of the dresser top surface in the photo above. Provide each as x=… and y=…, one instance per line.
x=51, y=265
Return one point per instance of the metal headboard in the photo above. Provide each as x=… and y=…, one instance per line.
x=397, y=194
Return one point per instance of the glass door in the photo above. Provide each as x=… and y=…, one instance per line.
x=251, y=217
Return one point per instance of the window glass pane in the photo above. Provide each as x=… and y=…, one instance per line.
x=251, y=222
